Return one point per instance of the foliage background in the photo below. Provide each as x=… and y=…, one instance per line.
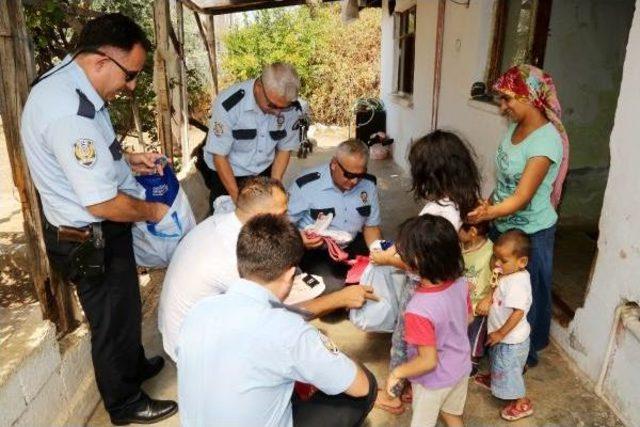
x=337, y=62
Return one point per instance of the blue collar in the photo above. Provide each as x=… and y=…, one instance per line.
x=252, y=290
x=250, y=103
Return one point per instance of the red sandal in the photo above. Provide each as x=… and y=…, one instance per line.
x=483, y=380
x=515, y=411
x=381, y=403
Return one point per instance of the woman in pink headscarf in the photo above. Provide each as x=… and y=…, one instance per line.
x=531, y=165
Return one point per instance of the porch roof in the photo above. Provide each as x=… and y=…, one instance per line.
x=221, y=7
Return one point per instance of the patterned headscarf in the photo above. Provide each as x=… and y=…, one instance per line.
x=533, y=86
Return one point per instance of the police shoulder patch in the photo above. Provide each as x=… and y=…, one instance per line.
x=330, y=345
x=85, y=152
x=305, y=179
x=218, y=129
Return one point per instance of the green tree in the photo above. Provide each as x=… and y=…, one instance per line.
x=337, y=62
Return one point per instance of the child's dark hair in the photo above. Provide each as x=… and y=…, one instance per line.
x=482, y=228
x=442, y=165
x=519, y=239
x=429, y=245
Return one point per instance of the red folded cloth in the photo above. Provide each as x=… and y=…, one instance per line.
x=335, y=251
x=358, y=266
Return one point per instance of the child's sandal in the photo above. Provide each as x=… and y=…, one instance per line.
x=513, y=411
x=407, y=395
x=483, y=380
x=395, y=410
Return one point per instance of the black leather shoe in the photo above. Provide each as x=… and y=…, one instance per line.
x=152, y=368
x=144, y=411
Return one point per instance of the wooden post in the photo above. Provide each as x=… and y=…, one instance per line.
x=184, y=101
x=160, y=78
x=208, y=36
x=17, y=70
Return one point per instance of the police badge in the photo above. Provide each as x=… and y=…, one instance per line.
x=280, y=120
x=364, y=197
x=218, y=130
x=85, y=152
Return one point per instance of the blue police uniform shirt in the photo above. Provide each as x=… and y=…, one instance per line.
x=239, y=356
x=248, y=137
x=314, y=193
x=71, y=148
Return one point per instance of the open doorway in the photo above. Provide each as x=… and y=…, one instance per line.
x=582, y=44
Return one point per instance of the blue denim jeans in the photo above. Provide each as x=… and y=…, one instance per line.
x=541, y=270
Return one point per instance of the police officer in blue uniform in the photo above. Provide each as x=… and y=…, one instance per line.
x=240, y=353
x=90, y=198
x=345, y=189
x=252, y=129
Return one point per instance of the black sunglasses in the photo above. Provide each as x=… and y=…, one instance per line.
x=270, y=104
x=129, y=75
x=351, y=175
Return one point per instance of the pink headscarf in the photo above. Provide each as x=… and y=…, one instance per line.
x=531, y=85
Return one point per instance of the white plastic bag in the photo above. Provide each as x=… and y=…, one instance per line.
x=380, y=316
x=154, y=244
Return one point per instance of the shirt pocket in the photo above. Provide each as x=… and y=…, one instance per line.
x=277, y=135
x=244, y=139
x=364, y=210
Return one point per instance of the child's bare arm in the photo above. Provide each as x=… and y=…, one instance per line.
x=425, y=361
x=496, y=336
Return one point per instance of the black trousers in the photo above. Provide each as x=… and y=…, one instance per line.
x=318, y=261
x=340, y=410
x=218, y=189
x=112, y=305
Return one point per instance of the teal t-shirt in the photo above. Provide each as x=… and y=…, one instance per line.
x=511, y=159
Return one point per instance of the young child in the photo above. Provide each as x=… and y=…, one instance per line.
x=445, y=175
x=508, y=327
x=436, y=321
x=477, y=250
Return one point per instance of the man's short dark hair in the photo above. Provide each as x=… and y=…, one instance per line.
x=112, y=29
x=429, y=245
x=520, y=241
x=268, y=245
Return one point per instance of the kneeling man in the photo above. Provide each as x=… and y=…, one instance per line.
x=239, y=354
x=344, y=189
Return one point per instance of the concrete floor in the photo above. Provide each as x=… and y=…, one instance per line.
x=560, y=396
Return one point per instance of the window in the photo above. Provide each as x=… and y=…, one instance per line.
x=404, y=42
x=520, y=35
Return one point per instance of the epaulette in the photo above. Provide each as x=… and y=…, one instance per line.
x=305, y=179
x=85, y=107
x=233, y=100
x=371, y=178
x=306, y=314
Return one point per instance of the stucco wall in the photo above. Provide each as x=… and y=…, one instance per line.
x=616, y=276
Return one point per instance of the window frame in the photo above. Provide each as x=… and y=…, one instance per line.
x=401, y=32
x=538, y=42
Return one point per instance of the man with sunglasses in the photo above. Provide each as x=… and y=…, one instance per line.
x=344, y=189
x=251, y=131
x=90, y=198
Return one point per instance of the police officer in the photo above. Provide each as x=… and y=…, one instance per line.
x=345, y=189
x=251, y=131
x=89, y=198
x=240, y=353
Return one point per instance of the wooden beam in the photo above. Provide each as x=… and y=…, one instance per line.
x=17, y=70
x=161, y=16
x=437, y=72
x=208, y=36
x=184, y=100
x=231, y=6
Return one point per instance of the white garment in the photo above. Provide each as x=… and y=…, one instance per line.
x=204, y=264
x=513, y=292
x=446, y=209
x=155, y=248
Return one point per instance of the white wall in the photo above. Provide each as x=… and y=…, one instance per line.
x=467, y=39
x=616, y=276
